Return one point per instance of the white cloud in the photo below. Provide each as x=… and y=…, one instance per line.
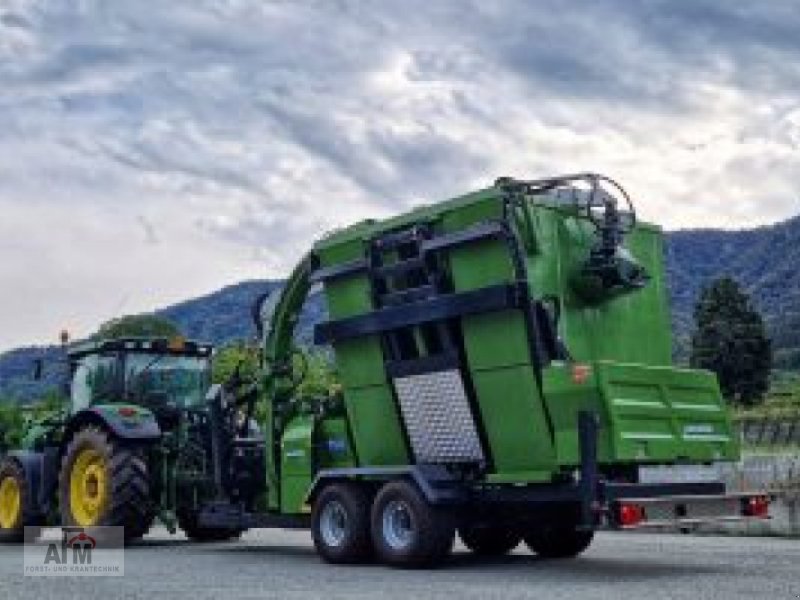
x=150, y=151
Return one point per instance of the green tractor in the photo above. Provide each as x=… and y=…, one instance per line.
x=132, y=446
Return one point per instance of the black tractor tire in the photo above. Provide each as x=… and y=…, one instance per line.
x=407, y=531
x=187, y=521
x=340, y=524
x=125, y=484
x=558, y=541
x=489, y=539
x=19, y=526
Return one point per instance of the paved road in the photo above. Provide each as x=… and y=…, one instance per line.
x=276, y=564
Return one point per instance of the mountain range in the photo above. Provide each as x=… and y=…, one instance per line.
x=765, y=261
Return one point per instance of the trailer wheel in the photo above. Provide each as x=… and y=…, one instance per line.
x=558, y=541
x=407, y=531
x=104, y=482
x=489, y=539
x=187, y=521
x=340, y=524
x=13, y=491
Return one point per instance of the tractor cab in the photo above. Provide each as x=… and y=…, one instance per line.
x=149, y=372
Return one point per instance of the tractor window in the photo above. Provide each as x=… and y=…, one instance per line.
x=81, y=390
x=182, y=380
x=95, y=378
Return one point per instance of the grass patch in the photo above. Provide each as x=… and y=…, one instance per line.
x=782, y=401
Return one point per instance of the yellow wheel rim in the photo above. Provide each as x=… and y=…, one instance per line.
x=10, y=502
x=87, y=487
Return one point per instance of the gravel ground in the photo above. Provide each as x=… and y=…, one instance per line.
x=278, y=564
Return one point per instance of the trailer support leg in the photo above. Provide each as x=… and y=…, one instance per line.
x=587, y=439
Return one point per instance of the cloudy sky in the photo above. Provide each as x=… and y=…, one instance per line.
x=151, y=151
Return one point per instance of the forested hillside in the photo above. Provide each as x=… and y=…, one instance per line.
x=764, y=260
x=221, y=318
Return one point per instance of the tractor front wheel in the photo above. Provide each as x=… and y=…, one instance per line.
x=105, y=482
x=13, y=496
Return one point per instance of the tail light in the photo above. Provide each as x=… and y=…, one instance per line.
x=580, y=373
x=756, y=506
x=630, y=515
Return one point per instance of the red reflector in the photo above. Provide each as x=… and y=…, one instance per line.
x=580, y=373
x=630, y=514
x=757, y=506
x=126, y=411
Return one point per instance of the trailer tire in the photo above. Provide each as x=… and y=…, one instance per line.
x=14, y=525
x=558, y=541
x=489, y=539
x=105, y=482
x=187, y=521
x=340, y=524
x=409, y=532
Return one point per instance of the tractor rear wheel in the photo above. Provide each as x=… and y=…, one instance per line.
x=13, y=497
x=340, y=524
x=489, y=539
x=187, y=521
x=408, y=531
x=104, y=482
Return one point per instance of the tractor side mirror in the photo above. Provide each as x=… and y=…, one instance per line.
x=38, y=369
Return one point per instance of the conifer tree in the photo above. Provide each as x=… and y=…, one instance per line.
x=730, y=339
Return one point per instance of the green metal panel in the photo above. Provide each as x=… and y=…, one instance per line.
x=647, y=414
x=515, y=424
x=334, y=449
x=631, y=327
x=375, y=425
x=662, y=414
x=347, y=297
x=360, y=362
x=296, y=463
x=467, y=209
x=484, y=207
x=303, y=449
x=565, y=400
x=496, y=340
x=343, y=248
x=369, y=403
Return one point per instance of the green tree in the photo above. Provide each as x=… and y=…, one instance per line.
x=150, y=326
x=320, y=377
x=12, y=425
x=52, y=402
x=232, y=357
x=731, y=341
